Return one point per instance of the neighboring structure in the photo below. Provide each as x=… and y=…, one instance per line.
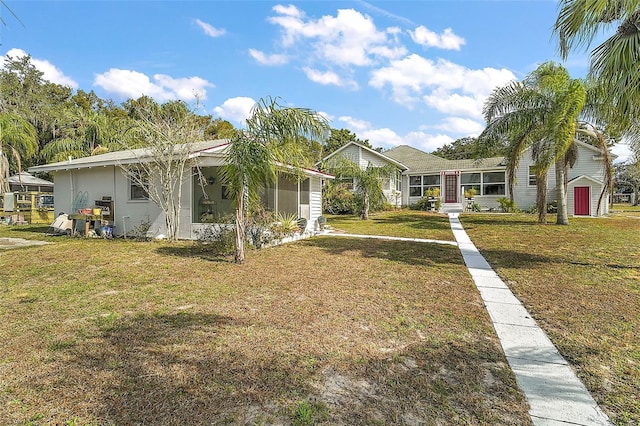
x=421, y=171
x=29, y=200
x=26, y=182
x=90, y=181
x=366, y=157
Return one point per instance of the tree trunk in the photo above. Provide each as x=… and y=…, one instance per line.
x=4, y=173
x=240, y=225
x=365, y=206
x=561, y=193
x=541, y=197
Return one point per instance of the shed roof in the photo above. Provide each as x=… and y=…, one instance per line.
x=26, y=178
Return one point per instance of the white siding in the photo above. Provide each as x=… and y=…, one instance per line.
x=110, y=181
x=587, y=164
x=594, y=192
x=315, y=201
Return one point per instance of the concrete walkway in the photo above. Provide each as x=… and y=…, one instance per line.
x=555, y=394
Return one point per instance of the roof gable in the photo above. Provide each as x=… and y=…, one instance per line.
x=382, y=156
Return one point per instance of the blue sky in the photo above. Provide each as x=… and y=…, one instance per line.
x=394, y=72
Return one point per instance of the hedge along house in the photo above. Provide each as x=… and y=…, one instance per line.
x=86, y=182
x=421, y=171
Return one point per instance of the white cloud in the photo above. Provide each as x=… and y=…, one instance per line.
x=235, y=109
x=623, y=151
x=209, y=29
x=461, y=126
x=49, y=71
x=328, y=78
x=387, y=138
x=454, y=103
x=349, y=38
x=290, y=10
x=427, y=38
x=416, y=78
x=133, y=84
x=326, y=115
x=264, y=59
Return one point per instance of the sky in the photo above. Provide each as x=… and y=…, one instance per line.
x=393, y=72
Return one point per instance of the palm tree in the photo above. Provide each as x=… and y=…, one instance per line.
x=540, y=113
x=367, y=181
x=614, y=63
x=275, y=137
x=18, y=139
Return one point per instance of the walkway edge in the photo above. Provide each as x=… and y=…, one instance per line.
x=555, y=394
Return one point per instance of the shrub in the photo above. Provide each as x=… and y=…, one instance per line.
x=506, y=204
x=217, y=237
x=552, y=207
x=285, y=225
x=338, y=199
x=470, y=193
x=425, y=204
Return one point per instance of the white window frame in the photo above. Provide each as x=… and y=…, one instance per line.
x=531, y=174
x=134, y=186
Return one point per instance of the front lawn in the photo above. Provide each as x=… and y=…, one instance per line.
x=323, y=331
x=401, y=223
x=582, y=284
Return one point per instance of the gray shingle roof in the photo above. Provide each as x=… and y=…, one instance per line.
x=421, y=162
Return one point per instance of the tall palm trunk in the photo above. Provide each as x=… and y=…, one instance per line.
x=541, y=197
x=561, y=192
x=240, y=226
x=365, y=206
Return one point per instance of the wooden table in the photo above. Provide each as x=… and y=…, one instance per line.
x=87, y=219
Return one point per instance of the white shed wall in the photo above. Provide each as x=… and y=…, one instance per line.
x=587, y=164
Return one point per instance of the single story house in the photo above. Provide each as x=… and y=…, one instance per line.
x=418, y=171
x=99, y=181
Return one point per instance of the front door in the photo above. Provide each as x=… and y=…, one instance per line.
x=581, y=201
x=450, y=188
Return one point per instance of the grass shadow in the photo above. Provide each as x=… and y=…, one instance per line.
x=411, y=253
x=195, y=251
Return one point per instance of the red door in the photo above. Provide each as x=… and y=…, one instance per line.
x=450, y=188
x=581, y=201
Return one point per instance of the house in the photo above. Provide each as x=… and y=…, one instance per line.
x=100, y=181
x=420, y=171
x=366, y=157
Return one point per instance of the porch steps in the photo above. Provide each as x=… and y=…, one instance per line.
x=451, y=208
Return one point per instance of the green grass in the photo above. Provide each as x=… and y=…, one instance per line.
x=325, y=330
x=403, y=223
x=582, y=284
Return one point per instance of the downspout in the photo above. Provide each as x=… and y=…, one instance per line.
x=71, y=188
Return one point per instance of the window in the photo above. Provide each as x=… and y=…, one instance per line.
x=419, y=185
x=493, y=183
x=138, y=187
x=430, y=182
x=347, y=182
x=533, y=180
x=471, y=180
x=415, y=186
